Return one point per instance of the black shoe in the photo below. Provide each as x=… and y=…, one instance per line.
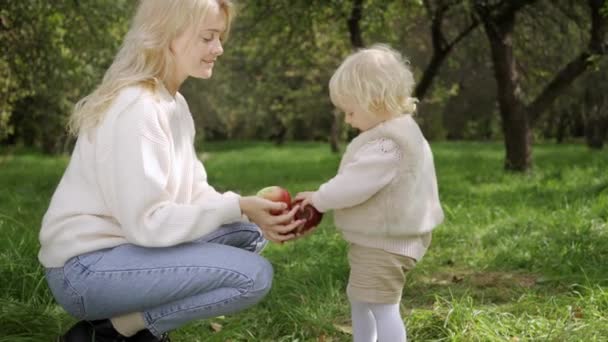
x=92, y=331
x=146, y=336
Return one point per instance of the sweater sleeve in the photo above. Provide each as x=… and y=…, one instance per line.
x=140, y=168
x=373, y=167
x=202, y=191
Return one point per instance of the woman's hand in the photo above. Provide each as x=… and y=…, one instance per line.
x=298, y=236
x=276, y=228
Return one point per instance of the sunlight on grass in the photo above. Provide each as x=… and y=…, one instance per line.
x=519, y=258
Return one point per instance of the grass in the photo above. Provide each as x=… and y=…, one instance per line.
x=519, y=257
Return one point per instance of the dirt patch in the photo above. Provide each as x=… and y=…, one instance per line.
x=482, y=279
x=503, y=279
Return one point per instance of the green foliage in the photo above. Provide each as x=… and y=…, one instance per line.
x=271, y=83
x=53, y=54
x=519, y=257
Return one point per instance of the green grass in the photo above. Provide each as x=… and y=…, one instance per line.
x=519, y=257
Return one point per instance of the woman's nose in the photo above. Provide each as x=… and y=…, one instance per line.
x=218, y=50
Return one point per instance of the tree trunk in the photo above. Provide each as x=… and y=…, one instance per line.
x=518, y=141
x=499, y=22
x=334, y=137
x=356, y=41
x=429, y=73
x=596, y=127
x=562, y=125
x=354, y=28
x=595, y=135
x=515, y=123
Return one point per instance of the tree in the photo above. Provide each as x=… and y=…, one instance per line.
x=356, y=42
x=442, y=46
x=518, y=115
x=53, y=53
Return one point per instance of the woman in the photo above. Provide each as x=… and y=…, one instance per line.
x=135, y=242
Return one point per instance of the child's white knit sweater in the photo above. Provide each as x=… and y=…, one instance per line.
x=135, y=179
x=385, y=193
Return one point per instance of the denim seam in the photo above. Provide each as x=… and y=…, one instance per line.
x=152, y=321
x=163, y=268
x=149, y=320
x=252, y=244
x=239, y=274
x=235, y=231
x=232, y=232
x=81, y=300
x=149, y=324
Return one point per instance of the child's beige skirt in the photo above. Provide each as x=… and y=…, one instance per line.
x=376, y=276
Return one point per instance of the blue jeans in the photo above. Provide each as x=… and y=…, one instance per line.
x=218, y=274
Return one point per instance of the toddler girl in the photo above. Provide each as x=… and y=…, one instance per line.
x=385, y=196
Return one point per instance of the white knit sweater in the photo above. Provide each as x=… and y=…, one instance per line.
x=135, y=179
x=385, y=193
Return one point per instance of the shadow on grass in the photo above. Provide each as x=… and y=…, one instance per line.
x=485, y=287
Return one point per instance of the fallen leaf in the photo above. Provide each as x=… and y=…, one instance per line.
x=578, y=312
x=216, y=327
x=347, y=329
x=457, y=278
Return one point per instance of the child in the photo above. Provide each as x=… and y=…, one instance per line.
x=385, y=196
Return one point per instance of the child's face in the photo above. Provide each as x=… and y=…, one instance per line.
x=359, y=118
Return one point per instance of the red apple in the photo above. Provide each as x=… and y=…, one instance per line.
x=276, y=194
x=310, y=214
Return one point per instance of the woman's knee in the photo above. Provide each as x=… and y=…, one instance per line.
x=262, y=279
x=255, y=241
x=64, y=293
x=245, y=235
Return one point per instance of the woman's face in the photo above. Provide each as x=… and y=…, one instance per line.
x=197, y=48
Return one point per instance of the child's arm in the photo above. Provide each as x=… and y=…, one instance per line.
x=374, y=167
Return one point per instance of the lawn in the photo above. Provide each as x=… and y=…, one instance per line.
x=519, y=257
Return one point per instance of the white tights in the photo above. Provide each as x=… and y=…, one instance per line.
x=377, y=322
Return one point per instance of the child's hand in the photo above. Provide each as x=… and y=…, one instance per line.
x=305, y=197
x=301, y=235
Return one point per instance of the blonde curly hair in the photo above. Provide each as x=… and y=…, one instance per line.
x=377, y=80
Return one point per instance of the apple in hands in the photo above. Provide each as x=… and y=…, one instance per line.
x=276, y=194
x=309, y=213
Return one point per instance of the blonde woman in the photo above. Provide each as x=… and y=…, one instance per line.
x=135, y=242
x=385, y=196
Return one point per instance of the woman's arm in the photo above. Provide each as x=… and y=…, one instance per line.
x=136, y=185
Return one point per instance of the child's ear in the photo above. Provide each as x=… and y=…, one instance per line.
x=379, y=107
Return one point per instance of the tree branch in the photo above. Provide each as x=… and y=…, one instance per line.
x=354, y=29
x=441, y=47
x=598, y=45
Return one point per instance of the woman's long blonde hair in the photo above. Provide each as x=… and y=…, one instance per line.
x=144, y=57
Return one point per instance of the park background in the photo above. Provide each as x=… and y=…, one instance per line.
x=512, y=98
